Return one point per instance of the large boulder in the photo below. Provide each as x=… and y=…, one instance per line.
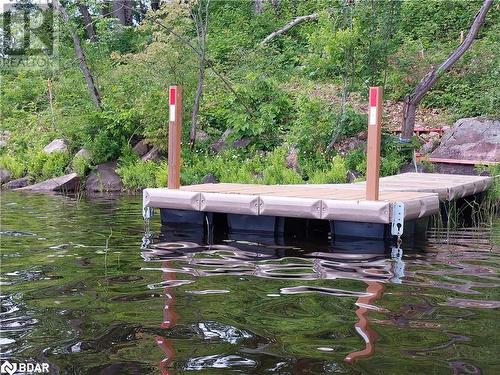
x=202, y=136
x=104, y=179
x=428, y=147
x=474, y=138
x=210, y=179
x=218, y=145
x=153, y=155
x=223, y=142
x=5, y=176
x=347, y=145
x=57, y=145
x=83, y=153
x=66, y=183
x=141, y=148
x=17, y=183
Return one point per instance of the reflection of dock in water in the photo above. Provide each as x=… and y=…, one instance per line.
x=376, y=265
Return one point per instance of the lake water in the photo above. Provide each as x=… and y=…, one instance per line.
x=80, y=291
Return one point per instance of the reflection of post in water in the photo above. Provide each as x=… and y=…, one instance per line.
x=169, y=320
x=374, y=290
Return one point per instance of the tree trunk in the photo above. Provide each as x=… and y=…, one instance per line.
x=409, y=116
x=196, y=106
x=201, y=23
x=258, y=6
x=412, y=100
x=89, y=79
x=123, y=10
x=129, y=12
x=87, y=20
x=119, y=11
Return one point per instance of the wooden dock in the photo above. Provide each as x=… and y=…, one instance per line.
x=418, y=194
x=379, y=208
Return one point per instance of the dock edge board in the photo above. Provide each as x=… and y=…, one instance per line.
x=380, y=212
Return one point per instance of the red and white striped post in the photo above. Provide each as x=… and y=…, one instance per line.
x=174, y=137
x=373, y=143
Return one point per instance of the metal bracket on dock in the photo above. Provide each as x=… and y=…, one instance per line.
x=398, y=218
x=147, y=212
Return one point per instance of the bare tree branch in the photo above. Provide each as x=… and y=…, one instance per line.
x=289, y=26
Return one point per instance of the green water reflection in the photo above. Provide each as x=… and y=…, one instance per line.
x=80, y=293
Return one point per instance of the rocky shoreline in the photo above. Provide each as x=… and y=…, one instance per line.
x=475, y=139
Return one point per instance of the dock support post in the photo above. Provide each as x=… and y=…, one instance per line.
x=373, y=143
x=174, y=137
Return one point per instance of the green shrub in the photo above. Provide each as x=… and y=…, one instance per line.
x=161, y=175
x=312, y=128
x=261, y=110
x=36, y=163
x=276, y=171
x=23, y=90
x=335, y=174
x=393, y=155
x=15, y=166
x=356, y=161
x=139, y=174
x=237, y=166
x=437, y=20
x=81, y=166
x=42, y=166
x=390, y=165
x=109, y=132
x=228, y=166
x=195, y=166
x=351, y=122
x=245, y=170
